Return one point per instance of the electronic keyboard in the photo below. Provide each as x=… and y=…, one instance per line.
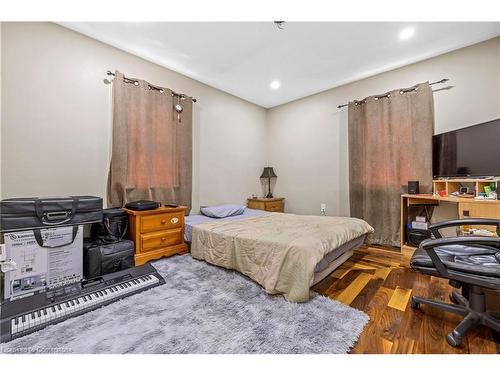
x=26, y=315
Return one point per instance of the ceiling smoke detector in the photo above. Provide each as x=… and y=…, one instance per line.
x=280, y=24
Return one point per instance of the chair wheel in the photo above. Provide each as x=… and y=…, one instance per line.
x=414, y=304
x=453, y=340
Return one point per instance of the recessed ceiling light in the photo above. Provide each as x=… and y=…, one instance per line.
x=275, y=85
x=406, y=33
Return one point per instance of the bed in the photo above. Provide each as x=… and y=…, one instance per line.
x=284, y=253
x=193, y=220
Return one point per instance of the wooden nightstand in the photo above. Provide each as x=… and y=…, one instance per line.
x=267, y=204
x=157, y=233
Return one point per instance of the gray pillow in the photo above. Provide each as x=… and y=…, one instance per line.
x=223, y=210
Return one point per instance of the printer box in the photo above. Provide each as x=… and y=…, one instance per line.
x=58, y=262
x=419, y=225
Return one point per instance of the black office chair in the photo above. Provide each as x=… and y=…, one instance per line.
x=469, y=263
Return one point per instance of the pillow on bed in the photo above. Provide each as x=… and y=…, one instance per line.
x=223, y=210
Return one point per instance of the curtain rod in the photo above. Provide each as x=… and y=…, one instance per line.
x=110, y=73
x=406, y=90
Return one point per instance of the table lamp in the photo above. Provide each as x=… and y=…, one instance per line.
x=268, y=173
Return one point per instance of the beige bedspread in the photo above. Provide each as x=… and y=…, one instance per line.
x=279, y=251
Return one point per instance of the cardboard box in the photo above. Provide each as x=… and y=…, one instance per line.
x=58, y=262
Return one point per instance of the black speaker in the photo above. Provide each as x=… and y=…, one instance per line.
x=416, y=236
x=412, y=187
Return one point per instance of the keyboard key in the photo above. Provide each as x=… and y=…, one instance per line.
x=44, y=315
x=31, y=321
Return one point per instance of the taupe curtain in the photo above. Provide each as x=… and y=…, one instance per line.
x=390, y=143
x=152, y=143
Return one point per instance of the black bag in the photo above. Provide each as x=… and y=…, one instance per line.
x=113, y=228
x=102, y=259
x=36, y=213
x=142, y=205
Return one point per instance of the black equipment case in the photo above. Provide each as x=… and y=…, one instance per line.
x=35, y=213
x=113, y=228
x=107, y=251
x=101, y=259
x=142, y=205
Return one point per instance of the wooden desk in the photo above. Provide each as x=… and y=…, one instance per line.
x=476, y=207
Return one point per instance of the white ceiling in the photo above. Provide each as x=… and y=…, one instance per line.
x=306, y=57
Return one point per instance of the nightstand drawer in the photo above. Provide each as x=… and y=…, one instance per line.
x=161, y=239
x=256, y=205
x=274, y=206
x=153, y=223
x=267, y=204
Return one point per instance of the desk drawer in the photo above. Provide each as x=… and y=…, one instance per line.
x=274, y=206
x=161, y=239
x=153, y=223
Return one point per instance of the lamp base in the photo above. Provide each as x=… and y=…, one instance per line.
x=269, y=195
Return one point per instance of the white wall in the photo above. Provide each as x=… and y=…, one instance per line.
x=309, y=136
x=56, y=119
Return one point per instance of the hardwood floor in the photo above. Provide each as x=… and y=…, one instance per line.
x=380, y=283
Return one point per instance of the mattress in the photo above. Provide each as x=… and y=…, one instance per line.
x=335, y=258
x=334, y=254
x=192, y=220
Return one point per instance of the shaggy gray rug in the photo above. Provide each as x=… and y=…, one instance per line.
x=202, y=309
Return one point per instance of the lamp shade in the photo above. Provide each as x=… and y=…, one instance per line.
x=268, y=172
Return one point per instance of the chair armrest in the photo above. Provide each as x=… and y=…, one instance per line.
x=434, y=228
x=430, y=245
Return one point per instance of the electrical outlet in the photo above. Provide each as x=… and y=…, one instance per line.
x=323, y=208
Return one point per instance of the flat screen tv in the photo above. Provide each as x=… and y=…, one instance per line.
x=473, y=151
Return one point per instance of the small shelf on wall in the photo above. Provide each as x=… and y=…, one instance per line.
x=452, y=185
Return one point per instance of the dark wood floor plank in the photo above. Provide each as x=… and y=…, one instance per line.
x=496, y=337
x=481, y=341
x=400, y=277
x=340, y=284
x=323, y=285
x=371, y=339
x=364, y=298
